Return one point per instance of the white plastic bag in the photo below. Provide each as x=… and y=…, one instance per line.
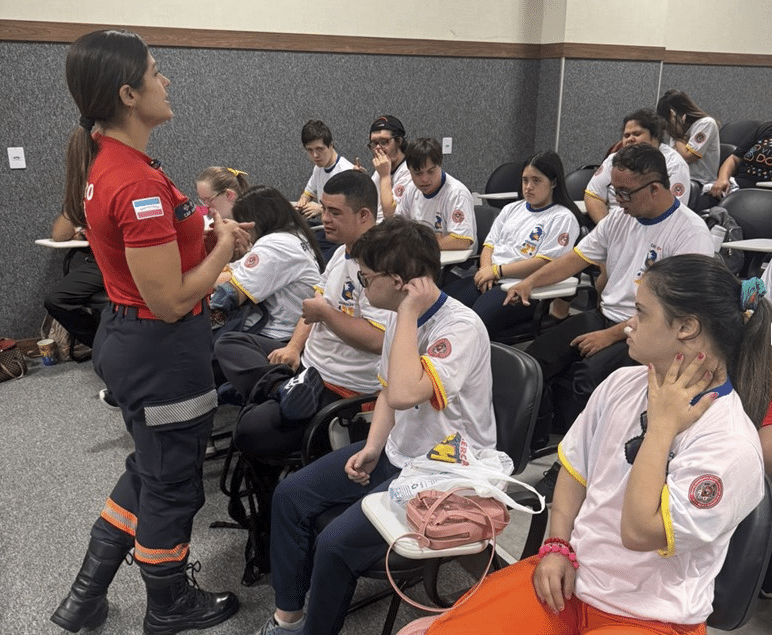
x=451, y=464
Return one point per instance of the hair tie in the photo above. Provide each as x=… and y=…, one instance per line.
x=753, y=290
x=236, y=172
x=86, y=123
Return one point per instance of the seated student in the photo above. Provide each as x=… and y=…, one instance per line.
x=317, y=140
x=650, y=225
x=280, y=270
x=218, y=188
x=391, y=176
x=437, y=199
x=437, y=380
x=750, y=163
x=525, y=236
x=77, y=300
x=658, y=472
x=693, y=134
x=334, y=349
x=641, y=126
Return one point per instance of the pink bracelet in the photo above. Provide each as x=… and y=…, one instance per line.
x=555, y=547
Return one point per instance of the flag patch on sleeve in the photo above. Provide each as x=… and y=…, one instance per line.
x=148, y=207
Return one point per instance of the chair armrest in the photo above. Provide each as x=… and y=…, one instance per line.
x=344, y=408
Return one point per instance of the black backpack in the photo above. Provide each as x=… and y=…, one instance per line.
x=732, y=258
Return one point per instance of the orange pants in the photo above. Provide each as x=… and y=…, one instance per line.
x=507, y=604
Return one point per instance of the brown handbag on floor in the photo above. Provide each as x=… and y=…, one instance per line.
x=12, y=364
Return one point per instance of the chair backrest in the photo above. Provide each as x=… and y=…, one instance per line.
x=517, y=385
x=576, y=181
x=752, y=209
x=484, y=216
x=694, y=193
x=505, y=178
x=724, y=150
x=737, y=584
x=735, y=131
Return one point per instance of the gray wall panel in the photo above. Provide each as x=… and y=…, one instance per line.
x=596, y=96
x=245, y=109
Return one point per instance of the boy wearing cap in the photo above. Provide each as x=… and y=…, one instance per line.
x=391, y=176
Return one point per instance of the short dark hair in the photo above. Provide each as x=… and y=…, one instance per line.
x=399, y=246
x=642, y=159
x=647, y=119
x=421, y=150
x=357, y=187
x=315, y=129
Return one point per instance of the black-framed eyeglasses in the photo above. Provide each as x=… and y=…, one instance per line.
x=206, y=201
x=365, y=280
x=625, y=197
x=383, y=143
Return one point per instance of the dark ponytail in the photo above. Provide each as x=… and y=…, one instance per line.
x=98, y=64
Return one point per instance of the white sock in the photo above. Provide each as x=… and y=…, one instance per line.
x=290, y=626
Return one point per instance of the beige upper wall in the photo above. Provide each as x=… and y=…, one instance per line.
x=686, y=25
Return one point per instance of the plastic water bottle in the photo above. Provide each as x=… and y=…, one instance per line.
x=717, y=234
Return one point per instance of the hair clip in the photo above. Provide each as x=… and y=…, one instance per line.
x=751, y=293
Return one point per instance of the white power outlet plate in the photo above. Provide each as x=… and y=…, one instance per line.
x=447, y=145
x=16, y=158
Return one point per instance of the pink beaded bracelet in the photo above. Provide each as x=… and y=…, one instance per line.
x=557, y=547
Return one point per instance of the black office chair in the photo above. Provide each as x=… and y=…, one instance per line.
x=515, y=412
x=576, y=181
x=738, y=583
x=752, y=209
x=734, y=132
x=249, y=484
x=724, y=150
x=505, y=178
x=694, y=193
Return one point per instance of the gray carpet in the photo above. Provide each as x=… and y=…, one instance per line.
x=62, y=452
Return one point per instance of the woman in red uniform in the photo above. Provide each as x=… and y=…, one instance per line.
x=153, y=346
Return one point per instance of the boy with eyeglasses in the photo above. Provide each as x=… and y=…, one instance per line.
x=437, y=381
x=648, y=224
x=391, y=176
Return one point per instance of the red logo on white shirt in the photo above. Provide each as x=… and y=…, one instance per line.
x=251, y=261
x=563, y=239
x=699, y=137
x=677, y=189
x=706, y=491
x=440, y=349
x=399, y=190
x=458, y=216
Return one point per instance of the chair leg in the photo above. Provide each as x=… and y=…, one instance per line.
x=391, y=616
x=535, y=534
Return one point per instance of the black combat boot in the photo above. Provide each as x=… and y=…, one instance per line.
x=175, y=603
x=86, y=604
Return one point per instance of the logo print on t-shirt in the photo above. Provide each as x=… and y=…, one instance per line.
x=677, y=189
x=182, y=211
x=251, y=261
x=563, y=239
x=699, y=137
x=458, y=216
x=440, y=349
x=706, y=491
x=399, y=190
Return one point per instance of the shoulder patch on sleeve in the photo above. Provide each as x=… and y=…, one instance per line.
x=147, y=207
x=440, y=349
x=251, y=261
x=677, y=189
x=563, y=239
x=706, y=491
x=458, y=216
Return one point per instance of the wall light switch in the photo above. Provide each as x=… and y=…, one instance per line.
x=447, y=145
x=16, y=158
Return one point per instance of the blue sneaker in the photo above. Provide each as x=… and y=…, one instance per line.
x=272, y=628
x=299, y=397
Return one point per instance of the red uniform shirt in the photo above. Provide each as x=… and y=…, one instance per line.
x=131, y=203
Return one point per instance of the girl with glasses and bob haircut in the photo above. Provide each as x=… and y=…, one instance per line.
x=658, y=470
x=153, y=345
x=218, y=188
